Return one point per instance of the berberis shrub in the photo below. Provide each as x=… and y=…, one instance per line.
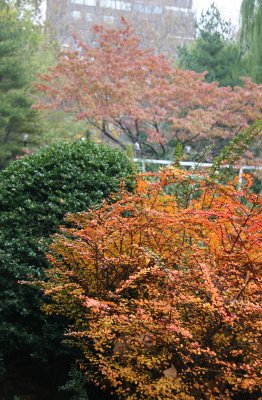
x=163, y=291
x=35, y=194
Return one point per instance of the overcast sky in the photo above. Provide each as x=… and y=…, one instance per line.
x=230, y=9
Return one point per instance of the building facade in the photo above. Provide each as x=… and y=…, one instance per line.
x=161, y=24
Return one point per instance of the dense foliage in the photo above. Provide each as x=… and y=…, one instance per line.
x=251, y=37
x=162, y=289
x=26, y=50
x=17, y=45
x=35, y=193
x=128, y=94
x=22, y=5
x=214, y=51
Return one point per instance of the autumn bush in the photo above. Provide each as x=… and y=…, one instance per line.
x=162, y=289
x=35, y=193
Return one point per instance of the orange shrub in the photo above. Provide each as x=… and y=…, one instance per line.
x=162, y=289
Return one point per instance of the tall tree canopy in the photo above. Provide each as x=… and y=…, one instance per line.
x=214, y=51
x=17, y=119
x=127, y=94
x=251, y=36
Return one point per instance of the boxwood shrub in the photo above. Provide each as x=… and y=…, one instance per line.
x=35, y=194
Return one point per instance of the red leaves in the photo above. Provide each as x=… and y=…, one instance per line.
x=118, y=87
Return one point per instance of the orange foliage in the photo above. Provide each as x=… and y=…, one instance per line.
x=125, y=92
x=162, y=289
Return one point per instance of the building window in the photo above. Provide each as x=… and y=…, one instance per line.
x=177, y=9
x=76, y=14
x=109, y=19
x=157, y=10
x=90, y=2
x=89, y=17
x=108, y=3
x=122, y=5
x=116, y=5
x=86, y=2
x=183, y=3
x=140, y=7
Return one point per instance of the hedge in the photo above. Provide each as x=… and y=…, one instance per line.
x=35, y=194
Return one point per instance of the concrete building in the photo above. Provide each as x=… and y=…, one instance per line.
x=160, y=24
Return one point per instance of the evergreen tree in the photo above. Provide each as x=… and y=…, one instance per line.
x=17, y=119
x=251, y=37
x=214, y=50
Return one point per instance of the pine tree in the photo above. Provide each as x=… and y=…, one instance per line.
x=214, y=51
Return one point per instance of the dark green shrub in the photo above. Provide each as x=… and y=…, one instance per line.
x=35, y=193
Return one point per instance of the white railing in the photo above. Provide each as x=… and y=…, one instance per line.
x=193, y=164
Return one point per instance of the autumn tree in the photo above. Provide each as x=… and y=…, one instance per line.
x=129, y=95
x=162, y=289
